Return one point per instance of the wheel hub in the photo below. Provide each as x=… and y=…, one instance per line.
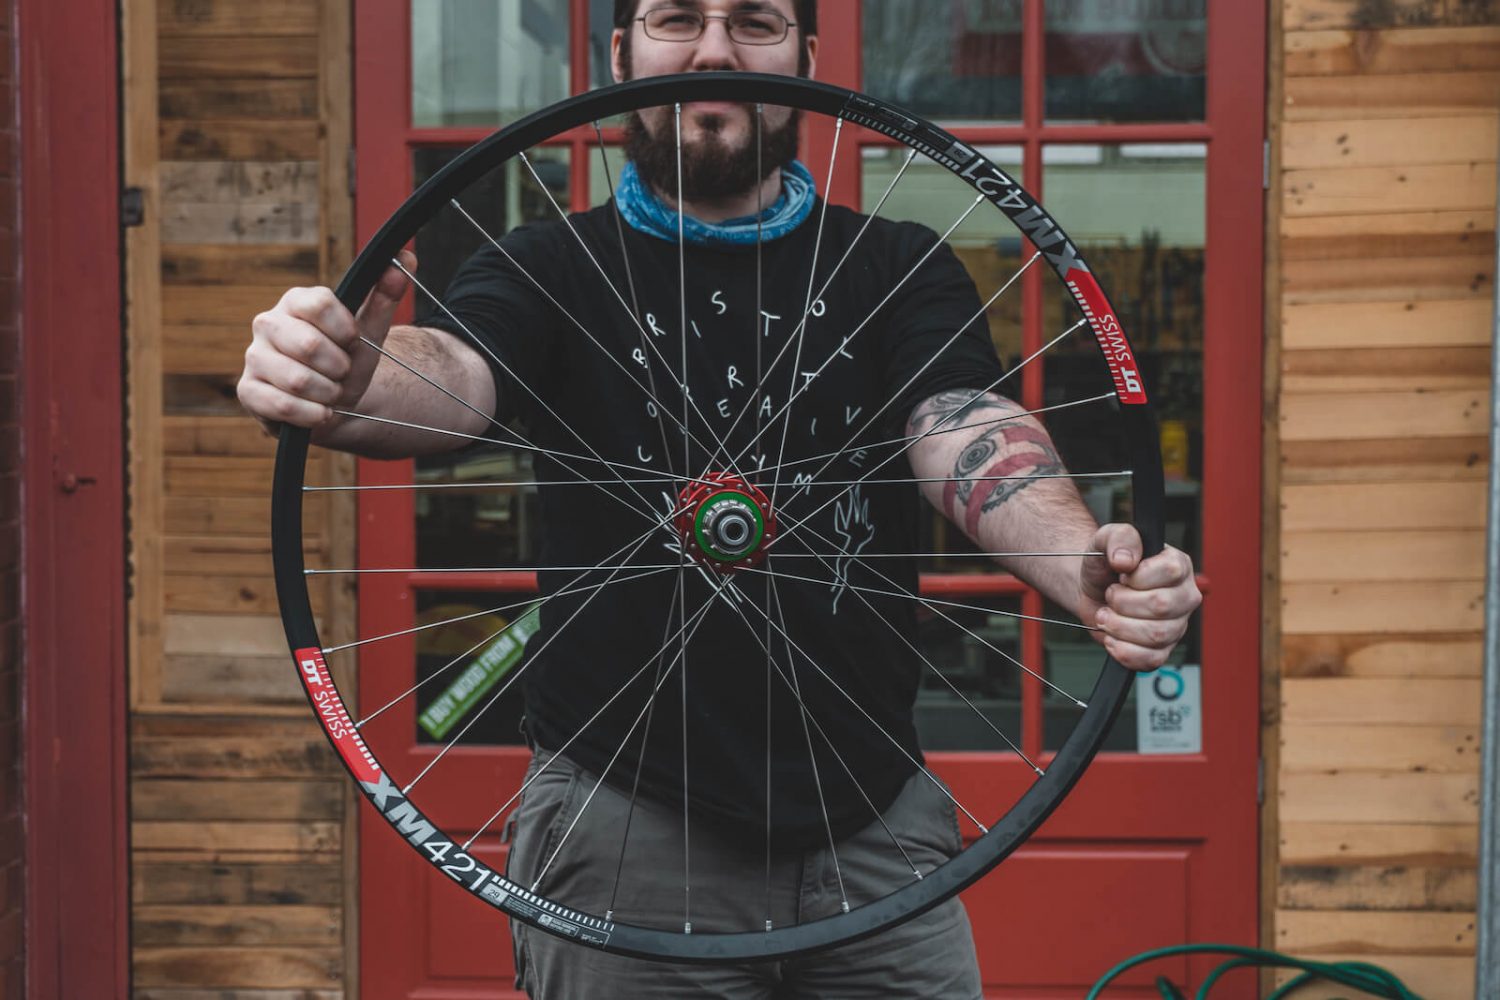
x=725, y=523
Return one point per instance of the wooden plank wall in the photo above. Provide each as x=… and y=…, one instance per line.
x=237, y=130
x=1381, y=274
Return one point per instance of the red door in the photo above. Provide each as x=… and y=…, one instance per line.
x=1146, y=121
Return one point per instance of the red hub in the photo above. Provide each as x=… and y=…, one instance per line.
x=725, y=522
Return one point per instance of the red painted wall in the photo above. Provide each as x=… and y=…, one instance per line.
x=12, y=843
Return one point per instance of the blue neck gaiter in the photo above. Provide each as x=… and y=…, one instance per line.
x=647, y=213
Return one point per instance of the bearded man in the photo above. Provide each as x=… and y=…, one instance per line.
x=749, y=799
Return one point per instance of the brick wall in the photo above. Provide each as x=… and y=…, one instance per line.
x=11, y=844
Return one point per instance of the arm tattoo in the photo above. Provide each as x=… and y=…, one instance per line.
x=1008, y=447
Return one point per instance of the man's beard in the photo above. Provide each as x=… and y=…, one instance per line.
x=711, y=170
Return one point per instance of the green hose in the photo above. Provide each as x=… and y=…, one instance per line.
x=1369, y=979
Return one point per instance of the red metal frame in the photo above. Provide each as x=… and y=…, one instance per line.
x=77, y=889
x=1124, y=796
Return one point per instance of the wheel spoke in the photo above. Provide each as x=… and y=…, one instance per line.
x=567, y=745
x=683, y=388
x=844, y=344
x=925, y=600
x=506, y=368
x=516, y=485
x=515, y=676
x=752, y=403
x=699, y=617
x=906, y=640
x=480, y=569
x=862, y=711
x=908, y=441
x=801, y=335
x=635, y=302
x=812, y=758
x=812, y=719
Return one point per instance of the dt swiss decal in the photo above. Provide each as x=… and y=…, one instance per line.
x=1127, y=374
x=334, y=716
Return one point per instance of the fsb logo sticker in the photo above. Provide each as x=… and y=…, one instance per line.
x=1169, y=711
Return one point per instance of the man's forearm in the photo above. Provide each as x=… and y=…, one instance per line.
x=398, y=398
x=997, y=475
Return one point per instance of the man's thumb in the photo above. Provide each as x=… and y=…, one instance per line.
x=375, y=316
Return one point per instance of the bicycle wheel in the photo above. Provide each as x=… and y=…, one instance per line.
x=721, y=522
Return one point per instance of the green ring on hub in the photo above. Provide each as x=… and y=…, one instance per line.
x=701, y=535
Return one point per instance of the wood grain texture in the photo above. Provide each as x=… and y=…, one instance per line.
x=1404, y=887
x=1387, y=142
x=309, y=968
x=1304, y=932
x=1388, y=279
x=259, y=99
x=239, y=140
x=1398, y=50
x=1380, y=701
x=1409, y=322
x=1374, y=506
x=236, y=926
x=1380, y=845
x=1324, y=748
x=235, y=883
x=1382, y=555
x=1459, y=654
x=1345, y=190
x=239, y=57
x=1393, y=95
x=231, y=18
x=1345, y=416
x=1362, y=606
x=1385, y=460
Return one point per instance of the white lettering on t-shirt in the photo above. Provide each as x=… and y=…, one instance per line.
x=850, y=414
x=640, y=453
x=639, y=356
x=651, y=322
x=724, y=408
x=765, y=407
x=696, y=332
x=769, y=320
x=858, y=458
x=651, y=410
x=807, y=378
x=717, y=298
x=819, y=308
x=814, y=430
x=734, y=377
x=802, y=483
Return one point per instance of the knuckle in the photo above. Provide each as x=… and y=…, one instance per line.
x=1158, y=604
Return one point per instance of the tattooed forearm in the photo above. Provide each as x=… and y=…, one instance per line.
x=957, y=408
x=1002, y=451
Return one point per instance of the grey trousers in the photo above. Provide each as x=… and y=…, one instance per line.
x=931, y=957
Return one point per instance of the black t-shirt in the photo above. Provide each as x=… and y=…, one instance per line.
x=861, y=369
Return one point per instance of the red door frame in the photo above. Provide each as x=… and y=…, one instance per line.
x=1231, y=552
x=73, y=557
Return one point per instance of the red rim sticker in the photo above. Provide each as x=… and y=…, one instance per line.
x=334, y=716
x=1122, y=366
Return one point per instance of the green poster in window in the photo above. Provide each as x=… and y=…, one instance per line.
x=481, y=676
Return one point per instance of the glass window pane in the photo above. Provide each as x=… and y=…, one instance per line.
x=483, y=62
x=471, y=514
x=973, y=659
x=502, y=200
x=1139, y=61
x=990, y=250
x=462, y=667
x=601, y=29
x=1138, y=213
x=955, y=61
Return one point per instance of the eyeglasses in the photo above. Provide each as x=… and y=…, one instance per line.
x=745, y=27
